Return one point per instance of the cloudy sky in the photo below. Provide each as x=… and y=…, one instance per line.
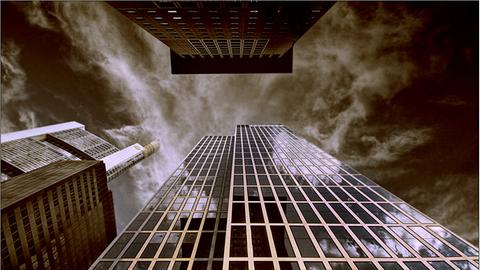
x=391, y=89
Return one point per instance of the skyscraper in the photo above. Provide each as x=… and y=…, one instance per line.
x=27, y=150
x=268, y=199
x=226, y=36
x=59, y=216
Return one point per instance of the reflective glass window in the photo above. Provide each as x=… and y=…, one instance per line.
x=380, y=214
x=314, y=266
x=413, y=242
x=440, y=265
x=343, y=213
x=416, y=266
x=369, y=242
x=325, y=241
x=308, y=213
x=465, y=265
x=365, y=266
x=434, y=242
x=391, y=242
x=455, y=241
x=304, y=243
x=390, y=266
x=282, y=242
x=396, y=213
x=325, y=213
x=357, y=195
x=291, y=213
x=348, y=243
x=414, y=213
x=361, y=213
x=340, y=266
x=170, y=245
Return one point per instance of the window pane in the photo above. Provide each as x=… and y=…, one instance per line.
x=326, y=214
x=365, y=266
x=289, y=266
x=417, y=215
x=437, y=244
x=413, y=242
x=136, y=245
x=273, y=213
x=261, y=248
x=238, y=266
x=187, y=245
x=303, y=241
x=204, y=246
x=396, y=213
x=370, y=243
x=455, y=241
x=348, y=243
x=256, y=214
x=238, y=213
x=391, y=242
x=380, y=214
x=340, y=266
x=282, y=242
x=170, y=246
x=343, y=213
x=465, y=265
x=440, y=265
x=238, y=242
x=416, y=266
x=314, y=266
x=391, y=266
x=361, y=213
x=325, y=241
x=263, y=265
x=308, y=213
x=291, y=213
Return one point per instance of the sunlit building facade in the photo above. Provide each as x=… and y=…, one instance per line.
x=268, y=199
x=226, y=36
x=59, y=216
x=27, y=150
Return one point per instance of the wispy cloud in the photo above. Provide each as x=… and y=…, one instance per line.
x=13, y=90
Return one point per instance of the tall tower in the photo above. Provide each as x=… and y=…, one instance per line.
x=268, y=199
x=27, y=150
x=57, y=210
x=226, y=36
x=59, y=216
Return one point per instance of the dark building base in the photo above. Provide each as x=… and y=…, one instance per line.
x=236, y=64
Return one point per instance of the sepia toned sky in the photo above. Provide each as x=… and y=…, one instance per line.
x=389, y=88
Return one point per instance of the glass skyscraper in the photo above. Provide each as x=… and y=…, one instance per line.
x=268, y=199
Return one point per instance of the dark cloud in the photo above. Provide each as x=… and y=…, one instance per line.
x=389, y=88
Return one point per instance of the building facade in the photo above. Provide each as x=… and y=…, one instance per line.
x=27, y=150
x=226, y=36
x=59, y=216
x=268, y=199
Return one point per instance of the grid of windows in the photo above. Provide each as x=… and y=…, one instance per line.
x=57, y=216
x=268, y=199
x=83, y=141
x=25, y=155
x=293, y=206
x=184, y=224
x=244, y=28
